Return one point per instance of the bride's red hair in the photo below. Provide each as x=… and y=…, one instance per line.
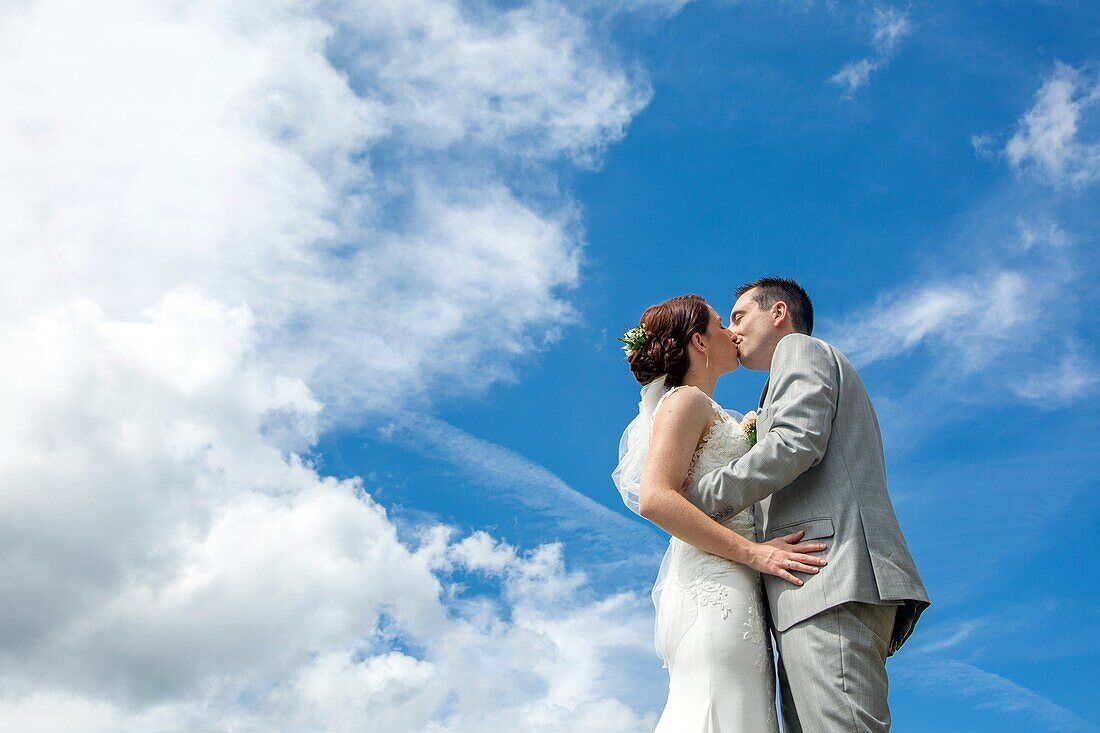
x=669, y=327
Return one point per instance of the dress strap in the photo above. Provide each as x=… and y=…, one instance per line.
x=721, y=414
x=663, y=397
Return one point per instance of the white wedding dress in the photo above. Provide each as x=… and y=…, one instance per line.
x=711, y=631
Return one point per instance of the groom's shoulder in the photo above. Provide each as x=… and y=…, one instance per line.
x=799, y=352
x=794, y=344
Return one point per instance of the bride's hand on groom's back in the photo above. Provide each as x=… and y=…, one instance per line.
x=784, y=556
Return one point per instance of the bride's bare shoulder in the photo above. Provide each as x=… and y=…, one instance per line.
x=686, y=404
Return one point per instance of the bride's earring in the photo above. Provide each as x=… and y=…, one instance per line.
x=708, y=361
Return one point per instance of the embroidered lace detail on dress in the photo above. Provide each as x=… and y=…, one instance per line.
x=709, y=592
x=755, y=630
x=724, y=441
x=710, y=432
x=756, y=633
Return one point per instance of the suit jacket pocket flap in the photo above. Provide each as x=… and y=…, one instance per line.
x=815, y=529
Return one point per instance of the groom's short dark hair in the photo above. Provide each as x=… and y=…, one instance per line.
x=771, y=290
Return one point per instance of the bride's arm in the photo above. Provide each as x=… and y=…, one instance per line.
x=677, y=428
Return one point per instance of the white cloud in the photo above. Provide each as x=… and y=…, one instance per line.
x=660, y=8
x=529, y=77
x=221, y=217
x=166, y=567
x=542, y=496
x=999, y=330
x=1043, y=232
x=984, y=145
x=991, y=692
x=959, y=634
x=969, y=320
x=1068, y=379
x=1004, y=321
x=889, y=27
x=1046, y=143
x=220, y=145
x=855, y=74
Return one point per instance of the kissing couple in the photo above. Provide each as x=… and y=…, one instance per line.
x=781, y=521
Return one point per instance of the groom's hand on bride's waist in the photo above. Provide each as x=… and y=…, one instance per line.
x=784, y=556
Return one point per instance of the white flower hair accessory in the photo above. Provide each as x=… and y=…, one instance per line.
x=633, y=339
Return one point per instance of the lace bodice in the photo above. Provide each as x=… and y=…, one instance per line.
x=724, y=441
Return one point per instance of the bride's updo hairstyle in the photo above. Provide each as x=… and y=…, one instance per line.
x=669, y=327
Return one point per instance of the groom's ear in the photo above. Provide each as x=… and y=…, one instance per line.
x=780, y=313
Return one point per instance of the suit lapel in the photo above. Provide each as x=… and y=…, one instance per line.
x=763, y=424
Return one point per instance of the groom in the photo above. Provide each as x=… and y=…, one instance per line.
x=818, y=467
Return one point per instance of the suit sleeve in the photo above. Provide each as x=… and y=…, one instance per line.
x=803, y=402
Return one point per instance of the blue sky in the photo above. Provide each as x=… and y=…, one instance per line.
x=749, y=161
x=311, y=391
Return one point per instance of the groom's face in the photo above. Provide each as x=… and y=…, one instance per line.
x=752, y=329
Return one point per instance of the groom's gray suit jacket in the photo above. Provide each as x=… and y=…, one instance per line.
x=818, y=466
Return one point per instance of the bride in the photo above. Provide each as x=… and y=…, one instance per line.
x=711, y=631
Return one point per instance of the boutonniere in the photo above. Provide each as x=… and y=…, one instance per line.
x=748, y=427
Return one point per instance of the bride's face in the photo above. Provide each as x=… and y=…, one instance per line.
x=719, y=345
